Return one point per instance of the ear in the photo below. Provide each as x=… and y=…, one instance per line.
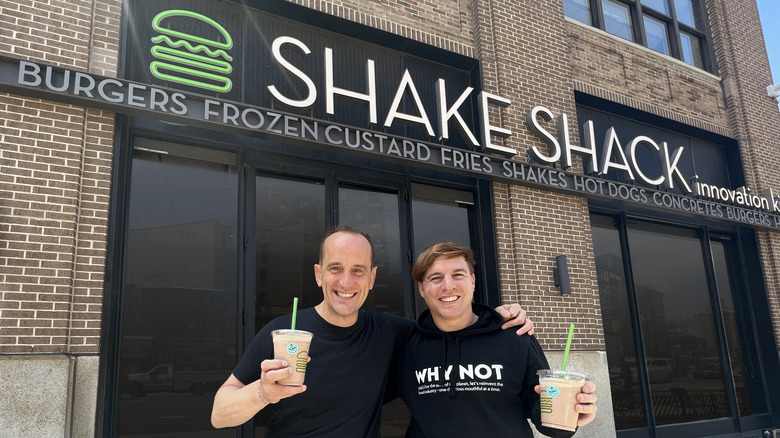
x=373, y=278
x=318, y=275
x=420, y=288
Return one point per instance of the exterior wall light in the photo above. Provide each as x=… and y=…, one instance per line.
x=561, y=274
x=773, y=90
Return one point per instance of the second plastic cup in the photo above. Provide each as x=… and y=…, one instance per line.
x=558, y=397
x=293, y=346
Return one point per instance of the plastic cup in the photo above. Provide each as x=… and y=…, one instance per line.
x=292, y=346
x=558, y=397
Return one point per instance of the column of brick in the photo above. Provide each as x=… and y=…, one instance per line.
x=55, y=163
x=41, y=148
x=524, y=55
x=753, y=116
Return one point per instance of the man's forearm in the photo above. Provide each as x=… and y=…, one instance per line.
x=234, y=406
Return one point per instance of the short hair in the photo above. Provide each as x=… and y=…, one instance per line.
x=349, y=230
x=446, y=250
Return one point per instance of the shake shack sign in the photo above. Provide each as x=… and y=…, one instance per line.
x=216, y=66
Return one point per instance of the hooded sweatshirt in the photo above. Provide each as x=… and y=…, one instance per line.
x=475, y=382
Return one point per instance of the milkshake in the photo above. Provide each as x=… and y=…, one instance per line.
x=292, y=346
x=558, y=397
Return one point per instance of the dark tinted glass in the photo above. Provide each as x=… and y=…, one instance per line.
x=376, y=213
x=675, y=311
x=289, y=225
x=439, y=214
x=621, y=354
x=178, y=334
x=725, y=290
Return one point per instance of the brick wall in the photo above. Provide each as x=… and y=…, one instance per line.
x=519, y=45
x=442, y=23
x=613, y=68
x=753, y=116
x=55, y=173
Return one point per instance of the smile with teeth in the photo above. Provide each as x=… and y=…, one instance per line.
x=343, y=295
x=449, y=299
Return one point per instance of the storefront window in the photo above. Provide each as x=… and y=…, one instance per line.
x=627, y=402
x=178, y=332
x=660, y=285
x=376, y=213
x=725, y=281
x=677, y=324
x=289, y=224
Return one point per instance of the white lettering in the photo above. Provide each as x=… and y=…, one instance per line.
x=331, y=90
x=311, y=97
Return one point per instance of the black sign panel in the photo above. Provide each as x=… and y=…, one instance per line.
x=202, y=45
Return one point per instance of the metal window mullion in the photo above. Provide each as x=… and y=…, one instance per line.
x=639, y=28
x=718, y=321
x=621, y=223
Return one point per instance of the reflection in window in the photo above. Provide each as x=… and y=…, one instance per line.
x=377, y=214
x=691, y=49
x=439, y=214
x=178, y=333
x=617, y=19
x=657, y=38
x=578, y=10
x=685, y=12
x=289, y=224
x=675, y=313
x=618, y=335
x=659, y=5
x=726, y=293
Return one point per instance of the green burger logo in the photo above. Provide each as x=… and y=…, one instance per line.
x=190, y=59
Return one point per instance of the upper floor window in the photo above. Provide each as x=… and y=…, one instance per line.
x=673, y=27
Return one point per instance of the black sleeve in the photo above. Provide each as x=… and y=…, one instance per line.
x=261, y=348
x=402, y=330
x=537, y=361
x=391, y=389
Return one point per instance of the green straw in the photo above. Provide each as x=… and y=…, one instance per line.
x=295, y=310
x=568, y=345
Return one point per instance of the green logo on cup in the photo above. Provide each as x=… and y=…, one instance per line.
x=292, y=348
x=553, y=391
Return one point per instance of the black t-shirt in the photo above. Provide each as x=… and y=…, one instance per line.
x=345, y=379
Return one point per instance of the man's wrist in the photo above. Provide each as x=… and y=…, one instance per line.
x=261, y=395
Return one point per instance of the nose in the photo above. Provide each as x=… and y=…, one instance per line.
x=346, y=280
x=448, y=282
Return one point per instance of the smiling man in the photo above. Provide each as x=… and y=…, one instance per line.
x=351, y=354
x=460, y=374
